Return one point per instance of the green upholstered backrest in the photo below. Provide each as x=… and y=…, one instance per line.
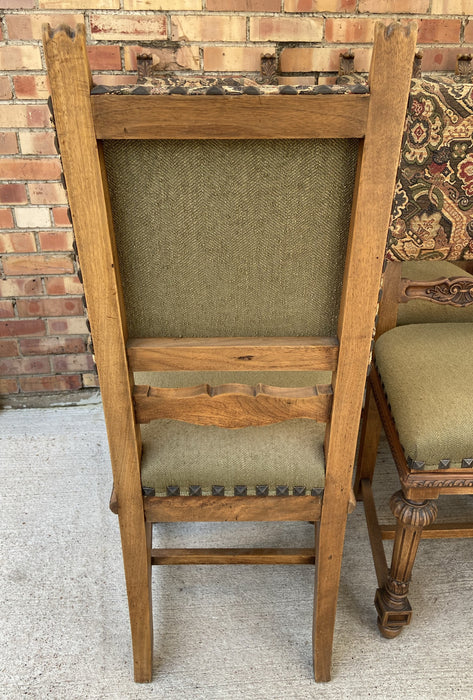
x=231, y=238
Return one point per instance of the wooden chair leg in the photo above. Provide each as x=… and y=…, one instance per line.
x=328, y=560
x=394, y=610
x=369, y=441
x=136, y=547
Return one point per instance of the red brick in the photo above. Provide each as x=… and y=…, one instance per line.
x=8, y=142
x=27, y=116
x=416, y=7
x=8, y=348
x=23, y=57
x=69, y=306
x=31, y=87
x=469, y=31
x=438, y=31
x=58, y=383
x=55, y=240
x=183, y=58
x=325, y=59
x=24, y=365
x=6, y=309
x=13, y=193
x=208, y=28
x=75, y=325
x=244, y=5
x=37, y=143
x=20, y=287
x=63, y=285
x=12, y=329
x=8, y=386
x=47, y=193
x=51, y=346
x=6, y=218
x=60, y=217
x=104, y=57
x=128, y=27
x=24, y=27
x=442, y=58
x=320, y=5
x=72, y=363
x=37, y=264
x=286, y=29
x=17, y=242
x=347, y=30
x=5, y=88
x=234, y=58
x=30, y=169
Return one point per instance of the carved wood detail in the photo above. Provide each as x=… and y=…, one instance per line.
x=455, y=291
x=394, y=610
x=233, y=405
x=269, y=69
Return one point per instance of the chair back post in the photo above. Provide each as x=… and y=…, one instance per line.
x=70, y=80
x=390, y=75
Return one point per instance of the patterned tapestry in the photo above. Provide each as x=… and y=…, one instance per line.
x=432, y=215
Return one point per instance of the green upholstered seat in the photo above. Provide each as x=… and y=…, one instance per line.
x=427, y=372
x=284, y=454
x=424, y=311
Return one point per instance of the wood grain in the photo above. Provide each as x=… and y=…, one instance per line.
x=229, y=116
x=233, y=556
x=233, y=405
x=234, y=354
x=390, y=75
x=170, y=509
x=70, y=81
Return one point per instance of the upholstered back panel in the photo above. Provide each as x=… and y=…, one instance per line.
x=432, y=217
x=222, y=238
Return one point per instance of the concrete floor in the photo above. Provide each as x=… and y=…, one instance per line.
x=220, y=632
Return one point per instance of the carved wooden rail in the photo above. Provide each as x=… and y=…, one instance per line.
x=233, y=405
x=455, y=291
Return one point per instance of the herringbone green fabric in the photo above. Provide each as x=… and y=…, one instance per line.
x=427, y=372
x=220, y=238
x=289, y=454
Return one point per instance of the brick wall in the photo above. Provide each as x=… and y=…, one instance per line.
x=43, y=333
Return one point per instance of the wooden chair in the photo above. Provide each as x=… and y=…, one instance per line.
x=231, y=217
x=419, y=388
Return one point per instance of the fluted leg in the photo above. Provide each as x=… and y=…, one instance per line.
x=394, y=610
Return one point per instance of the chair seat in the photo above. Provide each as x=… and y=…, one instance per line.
x=427, y=372
x=284, y=454
x=423, y=310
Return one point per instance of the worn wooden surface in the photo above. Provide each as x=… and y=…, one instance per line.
x=234, y=354
x=228, y=555
x=233, y=405
x=371, y=422
x=70, y=81
x=390, y=75
x=229, y=116
x=169, y=509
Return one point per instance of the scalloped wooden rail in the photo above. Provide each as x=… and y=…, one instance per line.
x=233, y=405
